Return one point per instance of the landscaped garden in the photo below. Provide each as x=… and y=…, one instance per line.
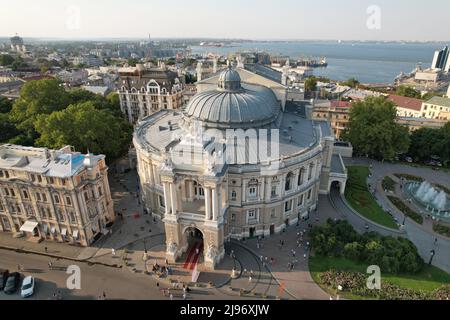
x=441, y=229
x=362, y=201
x=341, y=257
x=408, y=177
x=405, y=209
x=388, y=184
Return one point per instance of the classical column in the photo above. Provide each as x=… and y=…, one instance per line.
x=166, y=197
x=191, y=190
x=215, y=204
x=269, y=189
x=207, y=203
x=173, y=193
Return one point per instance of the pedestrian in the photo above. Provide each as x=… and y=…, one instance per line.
x=113, y=252
x=50, y=265
x=304, y=256
x=157, y=285
x=54, y=295
x=45, y=249
x=250, y=279
x=184, y=296
x=261, y=258
x=171, y=296
x=104, y=295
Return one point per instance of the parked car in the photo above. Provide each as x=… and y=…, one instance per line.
x=28, y=285
x=3, y=277
x=408, y=159
x=13, y=282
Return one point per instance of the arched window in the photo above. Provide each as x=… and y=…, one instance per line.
x=289, y=178
x=311, y=169
x=301, y=176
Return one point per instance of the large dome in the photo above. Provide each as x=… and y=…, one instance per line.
x=234, y=105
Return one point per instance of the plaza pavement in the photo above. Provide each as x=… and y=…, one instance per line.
x=138, y=231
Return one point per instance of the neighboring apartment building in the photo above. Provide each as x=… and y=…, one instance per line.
x=336, y=112
x=56, y=195
x=406, y=107
x=436, y=108
x=144, y=91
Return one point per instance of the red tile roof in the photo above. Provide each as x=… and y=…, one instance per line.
x=405, y=102
x=340, y=104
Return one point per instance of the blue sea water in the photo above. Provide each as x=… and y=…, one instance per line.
x=369, y=62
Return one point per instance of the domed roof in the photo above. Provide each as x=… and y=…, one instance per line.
x=229, y=80
x=234, y=105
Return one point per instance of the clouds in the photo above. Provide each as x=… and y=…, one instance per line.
x=257, y=19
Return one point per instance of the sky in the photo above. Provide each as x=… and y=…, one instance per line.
x=411, y=20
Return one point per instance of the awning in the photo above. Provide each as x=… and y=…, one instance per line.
x=29, y=226
x=75, y=234
x=64, y=231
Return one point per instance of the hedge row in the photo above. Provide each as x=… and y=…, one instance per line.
x=356, y=283
x=406, y=210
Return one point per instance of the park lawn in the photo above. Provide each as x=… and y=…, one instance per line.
x=429, y=279
x=359, y=197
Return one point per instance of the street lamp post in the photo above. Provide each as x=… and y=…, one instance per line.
x=432, y=253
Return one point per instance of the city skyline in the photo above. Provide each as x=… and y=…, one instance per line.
x=262, y=20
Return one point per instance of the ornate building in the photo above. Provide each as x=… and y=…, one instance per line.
x=54, y=194
x=237, y=162
x=144, y=91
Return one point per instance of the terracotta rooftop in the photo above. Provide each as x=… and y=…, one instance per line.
x=405, y=102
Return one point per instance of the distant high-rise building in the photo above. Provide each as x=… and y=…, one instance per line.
x=441, y=59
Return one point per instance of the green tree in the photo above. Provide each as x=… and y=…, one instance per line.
x=85, y=127
x=352, y=83
x=6, y=59
x=133, y=62
x=407, y=91
x=7, y=128
x=426, y=142
x=36, y=98
x=373, y=131
x=18, y=64
x=5, y=105
x=310, y=84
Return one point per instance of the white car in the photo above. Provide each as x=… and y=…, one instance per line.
x=27, y=289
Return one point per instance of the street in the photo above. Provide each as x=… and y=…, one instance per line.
x=95, y=279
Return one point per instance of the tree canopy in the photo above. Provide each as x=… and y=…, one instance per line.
x=84, y=127
x=6, y=59
x=47, y=115
x=310, y=84
x=36, y=98
x=373, y=131
x=426, y=142
x=407, y=91
x=352, y=83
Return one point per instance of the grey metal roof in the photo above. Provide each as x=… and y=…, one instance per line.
x=252, y=105
x=336, y=165
x=264, y=71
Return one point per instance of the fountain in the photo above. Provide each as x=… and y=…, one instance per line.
x=430, y=198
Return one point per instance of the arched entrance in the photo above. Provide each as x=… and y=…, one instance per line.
x=193, y=238
x=337, y=185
